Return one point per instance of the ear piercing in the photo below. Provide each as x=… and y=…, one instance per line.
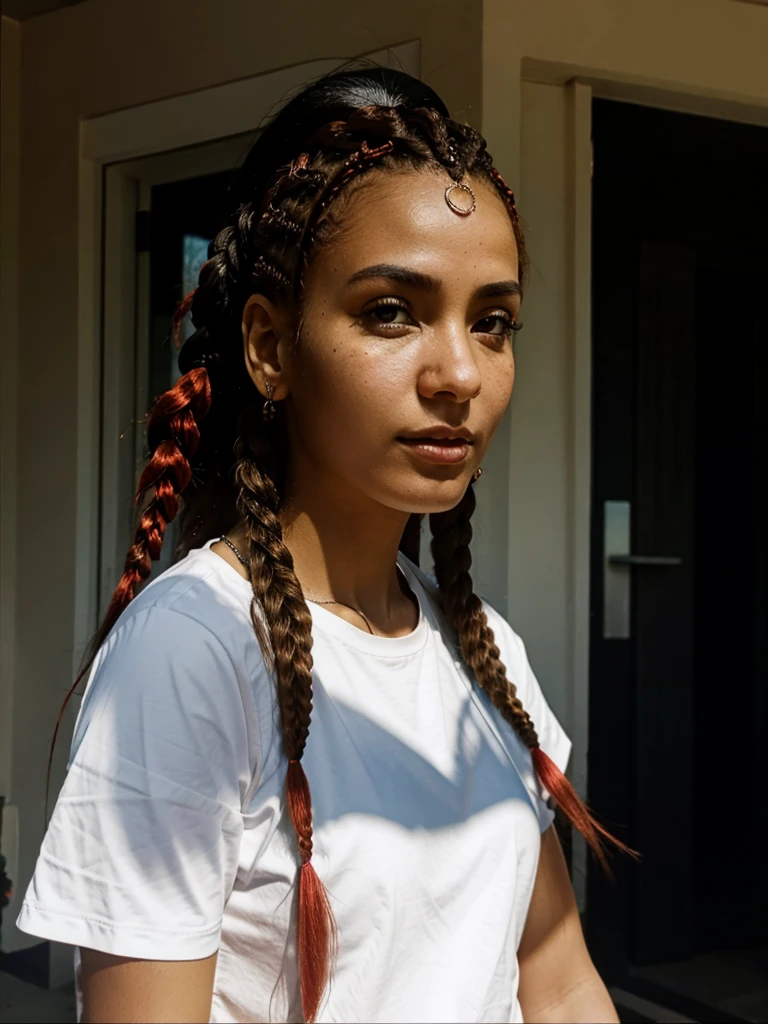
x=269, y=410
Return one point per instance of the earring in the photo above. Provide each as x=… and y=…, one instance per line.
x=477, y=474
x=268, y=410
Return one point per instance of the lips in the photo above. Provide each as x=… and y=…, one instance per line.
x=447, y=442
x=445, y=450
x=439, y=434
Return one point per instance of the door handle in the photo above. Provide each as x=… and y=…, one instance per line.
x=617, y=580
x=643, y=560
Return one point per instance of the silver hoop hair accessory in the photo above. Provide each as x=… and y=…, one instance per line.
x=464, y=211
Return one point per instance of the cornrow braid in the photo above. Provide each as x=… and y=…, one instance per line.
x=506, y=192
x=451, y=536
x=271, y=216
x=361, y=158
x=262, y=267
x=368, y=136
x=434, y=130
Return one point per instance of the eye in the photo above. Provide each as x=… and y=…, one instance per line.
x=385, y=314
x=502, y=321
x=391, y=313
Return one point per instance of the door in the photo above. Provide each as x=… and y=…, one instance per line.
x=161, y=213
x=679, y=554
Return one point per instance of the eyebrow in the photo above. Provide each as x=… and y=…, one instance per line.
x=427, y=283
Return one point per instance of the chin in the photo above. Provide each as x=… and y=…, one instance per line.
x=435, y=495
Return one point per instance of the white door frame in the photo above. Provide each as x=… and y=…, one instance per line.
x=134, y=134
x=125, y=315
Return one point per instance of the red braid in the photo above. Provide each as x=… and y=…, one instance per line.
x=317, y=933
x=574, y=808
x=175, y=413
x=506, y=193
x=173, y=437
x=180, y=313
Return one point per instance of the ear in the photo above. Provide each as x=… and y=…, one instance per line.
x=266, y=343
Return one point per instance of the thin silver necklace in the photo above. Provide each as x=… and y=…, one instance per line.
x=243, y=561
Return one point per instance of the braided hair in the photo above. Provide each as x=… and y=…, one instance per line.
x=284, y=206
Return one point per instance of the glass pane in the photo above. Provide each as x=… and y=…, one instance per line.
x=195, y=255
x=185, y=217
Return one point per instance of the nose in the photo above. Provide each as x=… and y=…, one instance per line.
x=450, y=369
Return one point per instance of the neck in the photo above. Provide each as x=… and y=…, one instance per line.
x=346, y=550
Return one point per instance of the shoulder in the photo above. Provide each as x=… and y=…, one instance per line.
x=195, y=617
x=201, y=588
x=514, y=656
x=192, y=622
x=199, y=607
x=183, y=650
x=511, y=647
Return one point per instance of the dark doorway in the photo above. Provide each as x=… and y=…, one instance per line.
x=175, y=234
x=185, y=216
x=678, y=637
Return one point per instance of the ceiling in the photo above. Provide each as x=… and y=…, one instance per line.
x=23, y=9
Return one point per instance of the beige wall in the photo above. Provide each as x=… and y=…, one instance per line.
x=9, y=240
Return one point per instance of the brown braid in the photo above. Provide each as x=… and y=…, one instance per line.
x=277, y=593
x=451, y=536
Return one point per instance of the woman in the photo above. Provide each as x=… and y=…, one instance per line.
x=352, y=359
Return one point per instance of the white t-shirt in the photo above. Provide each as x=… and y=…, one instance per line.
x=170, y=838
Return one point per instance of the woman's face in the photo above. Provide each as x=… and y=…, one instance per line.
x=404, y=365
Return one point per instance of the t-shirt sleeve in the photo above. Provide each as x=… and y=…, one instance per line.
x=553, y=738
x=141, y=851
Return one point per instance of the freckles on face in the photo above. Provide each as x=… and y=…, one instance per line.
x=406, y=328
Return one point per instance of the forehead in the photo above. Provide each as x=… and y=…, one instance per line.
x=402, y=217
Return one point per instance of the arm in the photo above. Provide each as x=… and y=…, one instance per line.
x=558, y=981
x=124, y=989
x=142, y=849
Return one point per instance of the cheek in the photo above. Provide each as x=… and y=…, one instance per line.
x=498, y=383
x=341, y=384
